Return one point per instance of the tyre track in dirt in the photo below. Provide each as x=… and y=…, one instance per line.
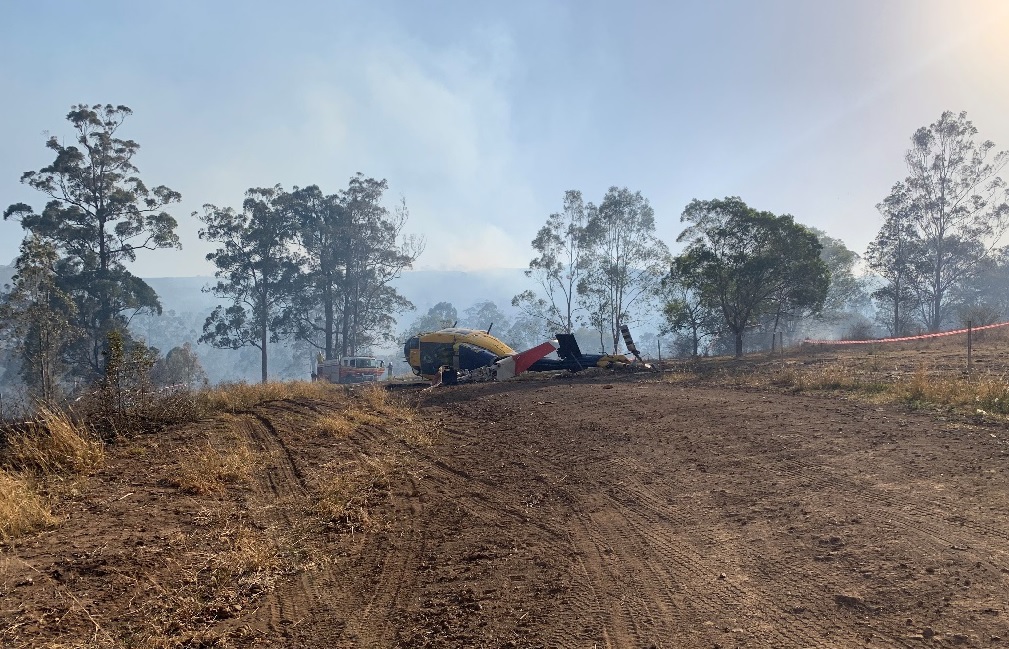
x=550, y=513
x=350, y=595
x=283, y=485
x=938, y=538
x=806, y=468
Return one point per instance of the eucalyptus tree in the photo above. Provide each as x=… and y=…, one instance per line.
x=957, y=205
x=749, y=264
x=354, y=248
x=559, y=265
x=36, y=315
x=258, y=269
x=896, y=255
x=684, y=309
x=99, y=216
x=375, y=251
x=624, y=260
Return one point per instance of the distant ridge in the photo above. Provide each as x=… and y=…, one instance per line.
x=424, y=288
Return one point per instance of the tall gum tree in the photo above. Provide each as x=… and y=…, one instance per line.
x=895, y=254
x=374, y=252
x=748, y=264
x=354, y=248
x=100, y=214
x=625, y=261
x=257, y=269
x=558, y=266
x=957, y=204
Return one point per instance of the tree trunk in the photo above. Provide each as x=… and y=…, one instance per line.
x=896, y=308
x=345, y=325
x=937, y=294
x=262, y=332
x=328, y=297
x=739, y=344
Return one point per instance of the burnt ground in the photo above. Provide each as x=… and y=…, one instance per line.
x=620, y=511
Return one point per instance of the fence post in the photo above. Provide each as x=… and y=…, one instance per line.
x=970, y=346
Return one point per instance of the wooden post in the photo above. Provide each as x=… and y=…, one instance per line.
x=658, y=341
x=970, y=346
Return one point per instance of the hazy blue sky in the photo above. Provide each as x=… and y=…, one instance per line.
x=482, y=114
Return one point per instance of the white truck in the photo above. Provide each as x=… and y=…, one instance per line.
x=350, y=369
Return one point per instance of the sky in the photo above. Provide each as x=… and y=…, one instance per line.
x=481, y=114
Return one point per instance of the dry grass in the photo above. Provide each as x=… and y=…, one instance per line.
x=930, y=373
x=343, y=495
x=376, y=397
x=980, y=393
x=334, y=426
x=228, y=564
x=404, y=421
x=985, y=393
x=375, y=406
x=235, y=397
x=52, y=444
x=212, y=466
x=822, y=377
x=251, y=557
x=22, y=509
x=365, y=417
x=49, y=447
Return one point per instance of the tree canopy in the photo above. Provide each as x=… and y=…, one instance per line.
x=559, y=265
x=257, y=270
x=354, y=247
x=100, y=214
x=625, y=261
x=749, y=263
x=943, y=220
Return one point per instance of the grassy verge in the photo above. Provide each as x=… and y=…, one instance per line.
x=928, y=375
x=235, y=397
x=53, y=444
x=49, y=447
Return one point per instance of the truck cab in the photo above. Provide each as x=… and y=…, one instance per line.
x=351, y=369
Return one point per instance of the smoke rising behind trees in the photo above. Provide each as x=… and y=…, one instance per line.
x=303, y=273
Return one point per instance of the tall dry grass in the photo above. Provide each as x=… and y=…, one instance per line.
x=53, y=444
x=226, y=459
x=22, y=508
x=235, y=397
x=981, y=393
x=924, y=379
x=49, y=446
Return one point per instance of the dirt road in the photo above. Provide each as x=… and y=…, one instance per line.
x=571, y=513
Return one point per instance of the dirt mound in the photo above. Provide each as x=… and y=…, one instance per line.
x=620, y=512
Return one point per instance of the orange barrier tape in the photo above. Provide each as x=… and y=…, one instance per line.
x=954, y=332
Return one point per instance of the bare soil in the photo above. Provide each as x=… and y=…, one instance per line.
x=607, y=511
